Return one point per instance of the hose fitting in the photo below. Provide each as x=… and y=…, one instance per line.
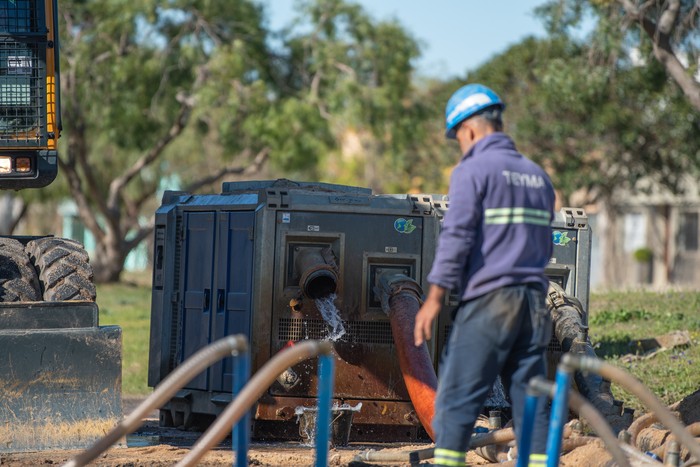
x=390, y=284
x=318, y=272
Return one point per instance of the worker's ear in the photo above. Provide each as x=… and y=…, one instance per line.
x=470, y=130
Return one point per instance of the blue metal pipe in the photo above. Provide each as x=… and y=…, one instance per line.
x=559, y=414
x=526, y=430
x=323, y=413
x=241, y=430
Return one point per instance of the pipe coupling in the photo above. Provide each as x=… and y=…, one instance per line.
x=390, y=284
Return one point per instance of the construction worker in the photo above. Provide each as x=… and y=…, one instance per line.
x=494, y=244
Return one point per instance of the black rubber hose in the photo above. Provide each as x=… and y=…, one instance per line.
x=586, y=410
x=633, y=385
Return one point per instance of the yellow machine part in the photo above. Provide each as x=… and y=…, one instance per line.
x=30, y=121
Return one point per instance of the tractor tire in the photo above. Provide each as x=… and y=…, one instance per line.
x=63, y=267
x=18, y=278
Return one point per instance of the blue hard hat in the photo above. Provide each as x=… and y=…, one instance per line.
x=467, y=101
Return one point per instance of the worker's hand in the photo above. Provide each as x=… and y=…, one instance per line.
x=424, y=320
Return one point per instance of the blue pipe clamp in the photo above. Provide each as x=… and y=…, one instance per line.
x=241, y=430
x=528, y=425
x=560, y=410
x=323, y=414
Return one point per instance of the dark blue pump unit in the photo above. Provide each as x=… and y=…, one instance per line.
x=253, y=260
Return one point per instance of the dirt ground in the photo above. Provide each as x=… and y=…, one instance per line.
x=177, y=443
x=260, y=454
x=153, y=446
x=270, y=454
x=164, y=455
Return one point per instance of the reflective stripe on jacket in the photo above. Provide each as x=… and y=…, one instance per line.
x=497, y=230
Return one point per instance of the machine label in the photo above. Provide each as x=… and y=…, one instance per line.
x=353, y=200
x=391, y=249
x=313, y=228
x=286, y=217
x=404, y=226
x=561, y=238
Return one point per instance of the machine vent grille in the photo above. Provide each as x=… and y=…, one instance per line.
x=358, y=332
x=22, y=88
x=176, y=325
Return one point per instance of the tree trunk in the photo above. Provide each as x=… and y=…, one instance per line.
x=12, y=210
x=108, y=261
x=660, y=33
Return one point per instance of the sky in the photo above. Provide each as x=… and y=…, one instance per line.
x=456, y=35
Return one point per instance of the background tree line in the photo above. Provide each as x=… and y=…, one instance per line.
x=203, y=90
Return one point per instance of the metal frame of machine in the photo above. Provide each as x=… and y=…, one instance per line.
x=235, y=254
x=229, y=263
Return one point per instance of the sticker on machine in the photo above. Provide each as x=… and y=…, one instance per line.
x=404, y=226
x=286, y=217
x=561, y=238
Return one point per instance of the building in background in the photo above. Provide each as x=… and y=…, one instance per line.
x=649, y=239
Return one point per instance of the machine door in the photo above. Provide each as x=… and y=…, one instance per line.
x=198, y=275
x=233, y=279
x=217, y=287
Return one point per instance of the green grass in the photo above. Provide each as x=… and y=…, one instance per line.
x=128, y=304
x=618, y=320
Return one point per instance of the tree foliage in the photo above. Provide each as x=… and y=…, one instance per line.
x=595, y=118
x=666, y=31
x=359, y=74
x=132, y=75
x=201, y=89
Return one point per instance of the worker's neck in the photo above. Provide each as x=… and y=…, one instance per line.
x=466, y=144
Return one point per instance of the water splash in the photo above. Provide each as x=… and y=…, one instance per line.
x=306, y=418
x=497, y=397
x=331, y=315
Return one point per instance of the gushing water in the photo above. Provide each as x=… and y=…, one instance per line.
x=497, y=396
x=306, y=418
x=326, y=306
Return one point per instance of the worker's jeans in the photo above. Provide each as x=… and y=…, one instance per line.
x=503, y=332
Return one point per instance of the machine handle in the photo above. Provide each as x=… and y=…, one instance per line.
x=220, y=300
x=207, y=294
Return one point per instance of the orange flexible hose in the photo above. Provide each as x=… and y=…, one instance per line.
x=415, y=362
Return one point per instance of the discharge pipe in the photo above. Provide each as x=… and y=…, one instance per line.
x=631, y=384
x=318, y=272
x=400, y=297
x=664, y=449
x=639, y=424
x=587, y=411
x=479, y=440
x=250, y=394
x=164, y=392
x=571, y=332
